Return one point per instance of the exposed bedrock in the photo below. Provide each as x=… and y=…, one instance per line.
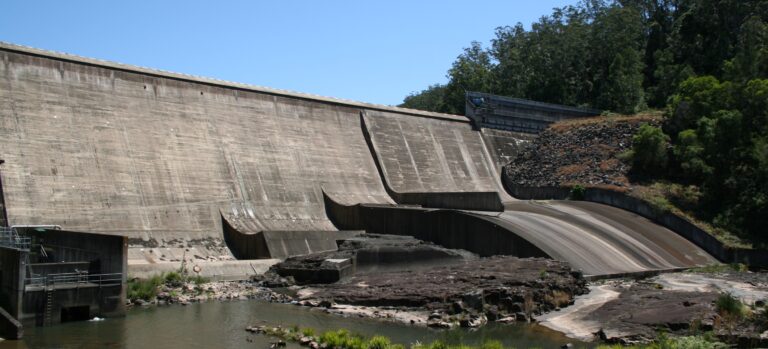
x=496, y=289
x=367, y=254
x=677, y=303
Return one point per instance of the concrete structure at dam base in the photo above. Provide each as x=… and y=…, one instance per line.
x=211, y=173
x=49, y=276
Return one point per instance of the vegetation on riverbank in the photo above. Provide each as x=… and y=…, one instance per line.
x=148, y=289
x=343, y=339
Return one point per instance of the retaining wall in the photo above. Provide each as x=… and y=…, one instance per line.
x=448, y=228
x=280, y=244
x=520, y=115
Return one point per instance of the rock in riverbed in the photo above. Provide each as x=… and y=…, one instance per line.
x=458, y=294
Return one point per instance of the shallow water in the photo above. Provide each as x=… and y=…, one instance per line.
x=222, y=324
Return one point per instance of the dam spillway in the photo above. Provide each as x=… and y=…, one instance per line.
x=169, y=159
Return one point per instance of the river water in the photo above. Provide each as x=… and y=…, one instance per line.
x=222, y=324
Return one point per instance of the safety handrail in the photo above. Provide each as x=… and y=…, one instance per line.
x=10, y=238
x=75, y=279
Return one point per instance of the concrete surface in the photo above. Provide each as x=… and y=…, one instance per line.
x=598, y=239
x=158, y=157
x=213, y=270
x=518, y=115
x=254, y=244
x=431, y=155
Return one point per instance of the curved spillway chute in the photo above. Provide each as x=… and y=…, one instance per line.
x=600, y=239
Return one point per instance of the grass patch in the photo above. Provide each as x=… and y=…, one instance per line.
x=144, y=289
x=147, y=289
x=683, y=200
x=577, y=192
x=653, y=116
x=731, y=310
x=729, y=306
x=720, y=268
x=558, y=298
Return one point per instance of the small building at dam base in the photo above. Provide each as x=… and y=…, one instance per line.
x=49, y=276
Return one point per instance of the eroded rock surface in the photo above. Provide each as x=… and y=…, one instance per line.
x=469, y=294
x=369, y=253
x=627, y=312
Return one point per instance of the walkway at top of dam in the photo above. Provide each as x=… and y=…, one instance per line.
x=160, y=157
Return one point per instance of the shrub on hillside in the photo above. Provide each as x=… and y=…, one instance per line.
x=649, y=151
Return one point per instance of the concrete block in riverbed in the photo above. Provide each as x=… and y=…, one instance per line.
x=329, y=271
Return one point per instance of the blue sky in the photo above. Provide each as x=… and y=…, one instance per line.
x=375, y=52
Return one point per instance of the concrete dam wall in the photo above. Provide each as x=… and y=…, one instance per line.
x=171, y=160
x=158, y=158
x=450, y=156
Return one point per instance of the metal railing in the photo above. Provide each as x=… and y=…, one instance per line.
x=10, y=238
x=75, y=279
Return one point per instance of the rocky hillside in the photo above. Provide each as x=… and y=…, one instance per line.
x=584, y=151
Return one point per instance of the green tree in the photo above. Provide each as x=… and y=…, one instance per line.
x=472, y=71
x=430, y=99
x=512, y=72
x=698, y=97
x=622, y=90
x=619, y=71
x=751, y=59
x=649, y=150
x=689, y=154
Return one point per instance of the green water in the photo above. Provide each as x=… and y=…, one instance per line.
x=222, y=324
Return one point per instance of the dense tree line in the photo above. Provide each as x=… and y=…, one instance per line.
x=705, y=61
x=621, y=55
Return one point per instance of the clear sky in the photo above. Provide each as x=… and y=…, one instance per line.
x=368, y=51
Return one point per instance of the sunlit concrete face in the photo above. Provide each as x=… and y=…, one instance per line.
x=161, y=158
x=595, y=238
x=599, y=239
x=91, y=148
